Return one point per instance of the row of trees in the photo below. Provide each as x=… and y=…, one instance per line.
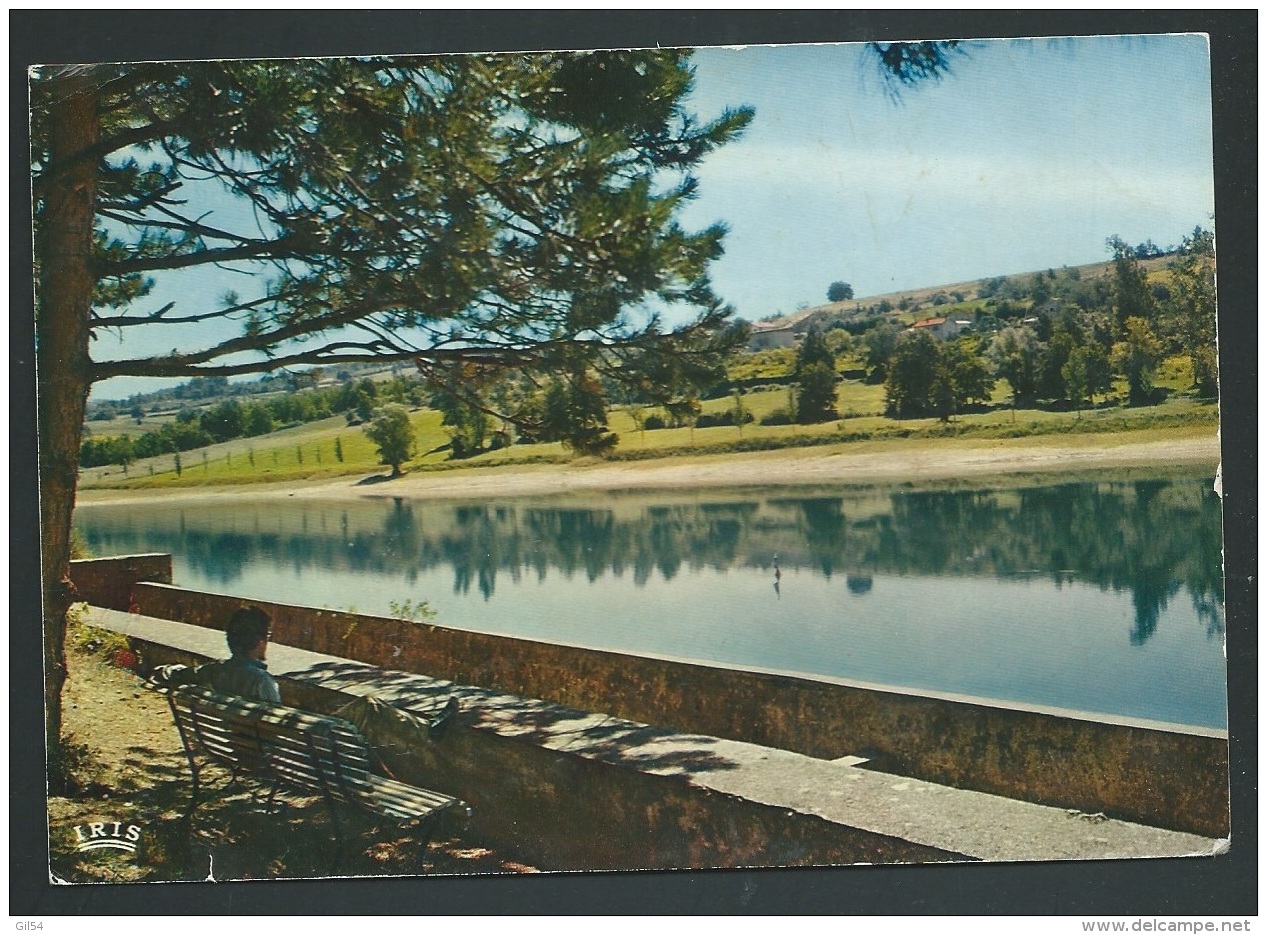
x=231, y=418
x=1061, y=338
x=929, y=377
x=1064, y=351
x=195, y=391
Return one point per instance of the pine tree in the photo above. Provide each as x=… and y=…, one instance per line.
x=1131, y=296
x=439, y=204
x=815, y=374
x=505, y=210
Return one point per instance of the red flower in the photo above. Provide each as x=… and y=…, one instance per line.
x=125, y=659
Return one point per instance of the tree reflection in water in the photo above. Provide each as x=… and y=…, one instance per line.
x=1151, y=538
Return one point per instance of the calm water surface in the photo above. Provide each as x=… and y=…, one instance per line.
x=1103, y=597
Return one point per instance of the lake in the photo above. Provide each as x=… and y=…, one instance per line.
x=1096, y=596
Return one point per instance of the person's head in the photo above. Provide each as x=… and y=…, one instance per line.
x=248, y=631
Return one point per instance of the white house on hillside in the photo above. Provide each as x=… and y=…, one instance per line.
x=767, y=336
x=941, y=328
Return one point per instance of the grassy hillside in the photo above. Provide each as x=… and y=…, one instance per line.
x=330, y=448
x=920, y=301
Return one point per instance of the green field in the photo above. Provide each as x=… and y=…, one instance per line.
x=331, y=448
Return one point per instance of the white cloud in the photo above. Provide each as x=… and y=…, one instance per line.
x=797, y=177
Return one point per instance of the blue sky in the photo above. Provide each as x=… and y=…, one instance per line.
x=1028, y=155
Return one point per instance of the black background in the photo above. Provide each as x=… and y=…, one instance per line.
x=1225, y=885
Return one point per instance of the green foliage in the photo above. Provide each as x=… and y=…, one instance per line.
x=861, y=404
x=1132, y=298
x=505, y=210
x=78, y=545
x=912, y=371
x=1099, y=367
x=419, y=612
x=223, y=421
x=361, y=398
x=393, y=434
x=815, y=374
x=1193, y=309
x=816, y=394
x=1040, y=290
x=468, y=424
x=880, y=342
x=929, y=377
x=1052, y=359
x=1076, y=376
x=682, y=412
x=256, y=420
x=968, y=374
x=813, y=350
x=1014, y=352
x=72, y=768
x=907, y=63
x=231, y=419
x=772, y=364
x=738, y=412
x=573, y=411
x=1136, y=357
x=707, y=420
x=1205, y=370
x=1086, y=372
x=839, y=292
x=95, y=451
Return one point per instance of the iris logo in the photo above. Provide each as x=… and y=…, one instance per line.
x=107, y=835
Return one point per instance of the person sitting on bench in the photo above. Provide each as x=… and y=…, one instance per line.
x=245, y=674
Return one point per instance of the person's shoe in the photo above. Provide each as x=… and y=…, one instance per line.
x=440, y=726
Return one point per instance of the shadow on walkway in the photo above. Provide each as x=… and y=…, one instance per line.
x=611, y=740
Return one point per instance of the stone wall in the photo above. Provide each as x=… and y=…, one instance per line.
x=1166, y=778
x=108, y=582
x=563, y=810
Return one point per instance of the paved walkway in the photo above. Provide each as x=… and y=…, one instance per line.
x=975, y=824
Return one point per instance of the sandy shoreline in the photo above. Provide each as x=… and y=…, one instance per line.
x=793, y=467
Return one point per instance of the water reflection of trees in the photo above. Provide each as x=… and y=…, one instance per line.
x=1149, y=538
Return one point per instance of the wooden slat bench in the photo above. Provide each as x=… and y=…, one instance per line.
x=285, y=748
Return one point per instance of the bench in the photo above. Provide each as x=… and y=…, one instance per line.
x=285, y=748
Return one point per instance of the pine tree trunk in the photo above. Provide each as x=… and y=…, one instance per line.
x=64, y=370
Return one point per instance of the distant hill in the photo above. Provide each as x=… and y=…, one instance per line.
x=204, y=392
x=911, y=304
x=921, y=301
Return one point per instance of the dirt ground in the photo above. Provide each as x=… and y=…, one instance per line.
x=129, y=768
